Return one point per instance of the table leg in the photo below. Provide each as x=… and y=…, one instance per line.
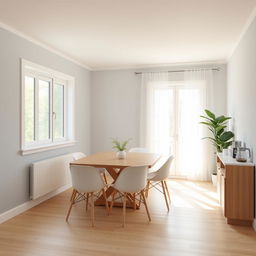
x=109, y=191
x=130, y=198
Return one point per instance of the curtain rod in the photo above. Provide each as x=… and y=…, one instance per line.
x=178, y=71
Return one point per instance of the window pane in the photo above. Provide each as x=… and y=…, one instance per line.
x=29, y=109
x=58, y=107
x=189, y=104
x=163, y=114
x=43, y=110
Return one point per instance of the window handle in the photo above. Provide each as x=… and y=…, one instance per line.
x=54, y=115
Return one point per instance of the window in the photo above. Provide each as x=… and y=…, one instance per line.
x=47, y=108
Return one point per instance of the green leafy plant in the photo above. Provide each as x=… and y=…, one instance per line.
x=221, y=138
x=120, y=145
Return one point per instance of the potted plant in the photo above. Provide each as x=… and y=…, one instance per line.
x=121, y=146
x=220, y=138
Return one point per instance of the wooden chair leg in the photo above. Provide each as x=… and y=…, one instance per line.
x=71, y=205
x=134, y=201
x=145, y=203
x=106, y=200
x=165, y=197
x=105, y=178
x=72, y=195
x=147, y=188
x=124, y=208
x=113, y=200
x=166, y=187
x=140, y=200
x=87, y=201
x=92, y=209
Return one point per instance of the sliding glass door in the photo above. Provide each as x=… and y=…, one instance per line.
x=175, y=121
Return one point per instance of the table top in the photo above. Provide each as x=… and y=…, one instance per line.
x=109, y=159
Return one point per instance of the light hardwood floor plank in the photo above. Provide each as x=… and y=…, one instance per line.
x=193, y=226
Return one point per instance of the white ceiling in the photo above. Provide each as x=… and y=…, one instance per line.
x=123, y=33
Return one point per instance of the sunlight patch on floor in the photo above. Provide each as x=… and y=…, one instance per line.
x=190, y=195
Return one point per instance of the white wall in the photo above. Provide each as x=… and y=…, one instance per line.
x=116, y=104
x=14, y=168
x=242, y=89
x=115, y=108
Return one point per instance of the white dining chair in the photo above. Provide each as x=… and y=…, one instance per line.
x=139, y=150
x=131, y=180
x=78, y=155
x=159, y=177
x=86, y=180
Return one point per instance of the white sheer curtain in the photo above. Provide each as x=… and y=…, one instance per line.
x=170, y=119
x=147, y=98
x=205, y=150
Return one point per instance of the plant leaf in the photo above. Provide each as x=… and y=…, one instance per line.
x=120, y=146
x=212, y=130
x=207, y=118
x=227, y=144
x=206, y=123
x=226, y=136
x=220, y=132
x=223, y=119
x=219, y=118
x=123, y=145
x=209, y=113
x=116, y=144
x=220, y=127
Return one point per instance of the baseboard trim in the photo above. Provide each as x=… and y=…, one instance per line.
x=30, y=204
x=254, y=224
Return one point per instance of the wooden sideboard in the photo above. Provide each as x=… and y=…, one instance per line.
x=235, y=187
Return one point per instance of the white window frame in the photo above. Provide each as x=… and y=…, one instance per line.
x=54, y=77
x=64, y=83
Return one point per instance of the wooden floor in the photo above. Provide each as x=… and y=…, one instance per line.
x=194, y=226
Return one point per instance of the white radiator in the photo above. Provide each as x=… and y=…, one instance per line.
x=49, y=175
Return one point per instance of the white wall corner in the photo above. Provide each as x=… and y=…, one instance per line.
x=244, y=30
x=30, y=204
x=161, y=65
x=43, y=45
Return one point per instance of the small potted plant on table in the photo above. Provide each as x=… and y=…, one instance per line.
x=121, y=146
